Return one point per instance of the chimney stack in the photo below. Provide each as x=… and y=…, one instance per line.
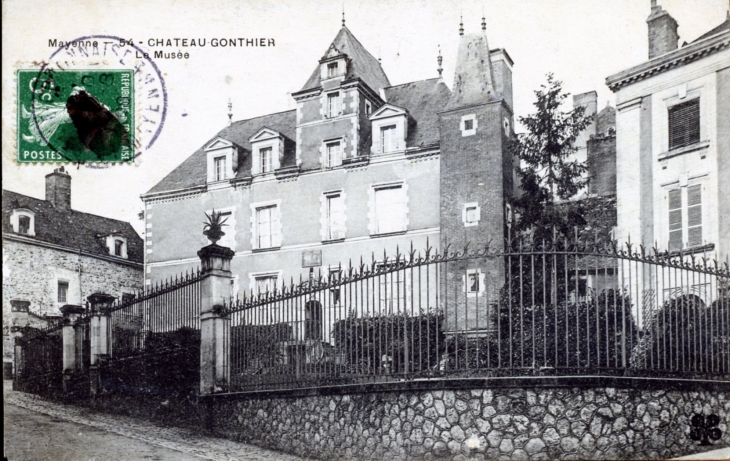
x=58, y=189
x=663, y=36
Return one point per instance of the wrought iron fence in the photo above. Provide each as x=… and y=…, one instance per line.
x=529, y=309
x=155, y=337
x=39, y=369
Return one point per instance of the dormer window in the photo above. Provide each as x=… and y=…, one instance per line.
x=222, y=159
x=268, y=149
x=23, y=222
x=117, y=245
x=332, y=70
x=390, y=129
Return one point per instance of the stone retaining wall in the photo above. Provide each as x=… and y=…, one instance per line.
x=475, y=422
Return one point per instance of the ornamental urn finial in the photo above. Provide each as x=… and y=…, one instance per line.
x=214, y=227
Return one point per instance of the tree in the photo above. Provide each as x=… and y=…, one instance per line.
x=547, y=172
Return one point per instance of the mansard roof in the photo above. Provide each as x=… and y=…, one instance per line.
x=70, y=228
x=423, y=100
x=192, y=171
x=363, y=65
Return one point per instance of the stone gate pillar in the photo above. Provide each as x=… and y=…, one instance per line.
x=71, y=356
x=20, y=310
x=215, y=293
x=71, y=314
x=100, y=337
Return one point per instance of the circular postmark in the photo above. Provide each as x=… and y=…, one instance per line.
x=98, y=98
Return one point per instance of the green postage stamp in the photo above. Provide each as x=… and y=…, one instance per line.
x=75, y=116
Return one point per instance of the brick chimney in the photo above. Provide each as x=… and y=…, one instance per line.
x=58, y=189
x=663, y=36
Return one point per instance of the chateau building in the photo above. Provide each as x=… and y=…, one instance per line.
x=361, y=167
x=54, y=255
x=673, y=142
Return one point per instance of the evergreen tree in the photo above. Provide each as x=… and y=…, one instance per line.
x=548, y=174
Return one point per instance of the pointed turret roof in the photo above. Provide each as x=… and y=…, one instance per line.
x=362, y=65
x=474, y=78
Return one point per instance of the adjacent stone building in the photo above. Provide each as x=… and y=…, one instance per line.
x=360, y=168
x=673, y=142
x=54, y=255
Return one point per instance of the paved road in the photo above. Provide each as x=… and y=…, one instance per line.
x=31, y=436
x=40, y=430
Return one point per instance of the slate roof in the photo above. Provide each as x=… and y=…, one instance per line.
x=70, y=228
x=363, y=65
x=724, y=27
x=192, y=171
x=423, y=100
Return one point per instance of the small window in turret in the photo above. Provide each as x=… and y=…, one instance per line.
x=468, y=125
x=332, y=70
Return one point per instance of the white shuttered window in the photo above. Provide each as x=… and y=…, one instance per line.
x=390, y=209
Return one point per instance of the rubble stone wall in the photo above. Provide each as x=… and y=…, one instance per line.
x=587, y=422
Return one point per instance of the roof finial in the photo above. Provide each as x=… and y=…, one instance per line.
x=461, y=24
x=484, y=24
x=343, y=15
x=440, y=59
x=230, y=112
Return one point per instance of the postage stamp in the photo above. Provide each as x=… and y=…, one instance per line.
x=77, y=116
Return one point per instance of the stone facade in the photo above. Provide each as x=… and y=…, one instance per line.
x=31, y=273
x=502, y=423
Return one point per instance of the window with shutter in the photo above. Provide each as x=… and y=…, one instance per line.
x=694, y=215
x=684, y=124
x=675, y=219
x=333, y=104
x=390, y=210
x=267, y=227
x=335, y=217
x=388, y=139
x=266, y=284
x=334, y=154
x=266, y=159
x=220, y=168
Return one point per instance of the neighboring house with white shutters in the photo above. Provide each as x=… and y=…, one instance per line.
x=673, y=142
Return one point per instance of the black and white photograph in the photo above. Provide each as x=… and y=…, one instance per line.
x=263, y=230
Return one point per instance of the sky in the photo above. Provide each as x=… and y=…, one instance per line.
x=580, y=41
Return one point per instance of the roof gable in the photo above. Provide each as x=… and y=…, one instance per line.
x=263, y=134
x=218, y=143
x=388, y=110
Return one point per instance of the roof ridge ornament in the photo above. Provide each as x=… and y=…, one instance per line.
x=440, y=60
x=343, y=15
x=461, y=24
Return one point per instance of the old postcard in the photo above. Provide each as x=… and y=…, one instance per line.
x=410, y=229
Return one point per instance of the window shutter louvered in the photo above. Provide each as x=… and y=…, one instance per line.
x=675, y=219
x=694, y=215
x=684, y=124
